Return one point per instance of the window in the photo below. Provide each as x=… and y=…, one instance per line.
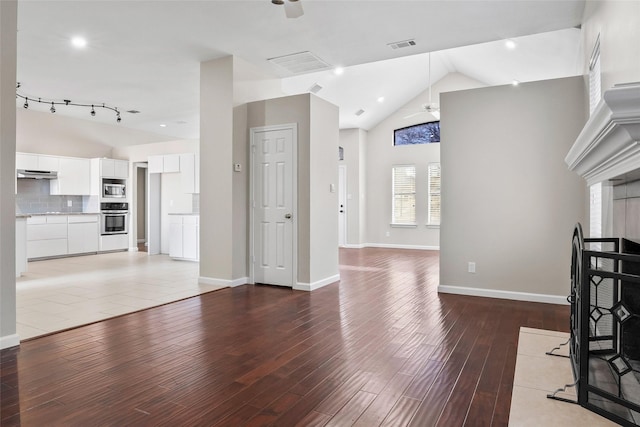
x=425, y=133
x=433, y=171
x=404, y=195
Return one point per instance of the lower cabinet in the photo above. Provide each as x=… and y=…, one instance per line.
x=114, y=242
x=184, y=237
x=57, y=235
x=83, y=234
x=46, y=236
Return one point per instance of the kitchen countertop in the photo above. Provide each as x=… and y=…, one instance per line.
x=22, y=216
x=58, y=213
x=185, y=213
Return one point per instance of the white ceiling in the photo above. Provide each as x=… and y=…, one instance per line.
x=145, y=55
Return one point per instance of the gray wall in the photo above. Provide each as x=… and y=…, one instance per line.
x=509, y=202
x=317, y=168
x=354, y=142
x=8, y=41
x=381, y=156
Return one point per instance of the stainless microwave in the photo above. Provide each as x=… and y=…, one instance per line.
x=114, y=188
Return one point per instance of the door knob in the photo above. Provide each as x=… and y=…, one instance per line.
x=287, y=216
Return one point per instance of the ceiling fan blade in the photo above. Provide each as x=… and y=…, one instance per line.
x=414, y=114
x=293, y=9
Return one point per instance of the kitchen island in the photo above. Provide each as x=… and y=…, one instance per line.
x=21, y=244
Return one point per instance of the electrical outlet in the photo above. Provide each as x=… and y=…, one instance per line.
x=472, y=267
x=69, y=203
x=388, y=233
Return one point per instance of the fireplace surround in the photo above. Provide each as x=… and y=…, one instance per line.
x=605, y=272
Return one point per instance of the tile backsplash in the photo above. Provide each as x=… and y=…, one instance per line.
x=33, y=197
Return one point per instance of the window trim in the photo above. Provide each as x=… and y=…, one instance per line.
x=393, y=198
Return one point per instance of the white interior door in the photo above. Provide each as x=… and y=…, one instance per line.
x=273, y=221
x=342, y=205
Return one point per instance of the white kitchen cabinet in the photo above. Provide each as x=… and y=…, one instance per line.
x=112, y=168
x=114, y=242
x=21, y=246
x=167, y=163
x=74, y=177
x=83, y=234
x=46, y=236
x=37, y=162
x=184, y=237
x=190, y=172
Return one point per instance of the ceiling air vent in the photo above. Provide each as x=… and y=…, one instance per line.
x=360, y=112
x=298, y=63
x=133, y=111
x=315, y=88
x=404, y=43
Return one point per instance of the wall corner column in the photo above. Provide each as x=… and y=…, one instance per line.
x=8, y=53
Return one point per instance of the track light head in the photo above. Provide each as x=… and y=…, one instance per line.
x=93, y=112
x=118, y=119
x=53, y=108
x=26, y=103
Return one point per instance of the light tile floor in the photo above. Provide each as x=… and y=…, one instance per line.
x=62, y=293
x=537, y=375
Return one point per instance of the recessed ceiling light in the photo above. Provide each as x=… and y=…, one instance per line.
x=510, y=44
x=163, y=125
x=515, y=82
x=79, y=42
x=381, y=99
x=338, y=71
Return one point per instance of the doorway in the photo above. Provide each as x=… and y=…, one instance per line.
x=273, y=190
x=141, y=207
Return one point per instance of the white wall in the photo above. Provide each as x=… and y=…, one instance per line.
x=381, y=155
x=509, y=203
x=618, y=23
x=8, y=42
x=46, y=133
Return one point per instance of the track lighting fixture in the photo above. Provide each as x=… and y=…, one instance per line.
x=66, y=102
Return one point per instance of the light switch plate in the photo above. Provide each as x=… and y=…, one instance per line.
x=237, y=167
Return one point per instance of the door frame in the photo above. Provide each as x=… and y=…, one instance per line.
x=343, y=186
x=294, y=232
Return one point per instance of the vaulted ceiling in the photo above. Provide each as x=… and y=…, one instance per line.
x=145, y=55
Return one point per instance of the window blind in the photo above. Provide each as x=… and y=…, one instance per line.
x=433, y=173
x=404, y=195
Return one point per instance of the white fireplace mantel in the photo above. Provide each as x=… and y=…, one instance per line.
x=609, y=144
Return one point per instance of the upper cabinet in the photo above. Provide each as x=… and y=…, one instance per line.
x=111, y=168
x=167, y=163
x=190, y=172
x=188, y=164
x=37, y=162
x=74, y=177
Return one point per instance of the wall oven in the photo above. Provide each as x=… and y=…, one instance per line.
x=114, y=188
x=114, y=218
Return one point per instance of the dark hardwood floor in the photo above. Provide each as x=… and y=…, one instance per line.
x=380, y=348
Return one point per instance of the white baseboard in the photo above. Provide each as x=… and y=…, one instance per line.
x=494, y=293
x=316, y=285
x=393, y=246
x=134, y=249
x=350, y=246
x=223, y=282
x=9, y=341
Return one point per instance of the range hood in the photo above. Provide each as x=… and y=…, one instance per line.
x=609, y=145
x=34, y=174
